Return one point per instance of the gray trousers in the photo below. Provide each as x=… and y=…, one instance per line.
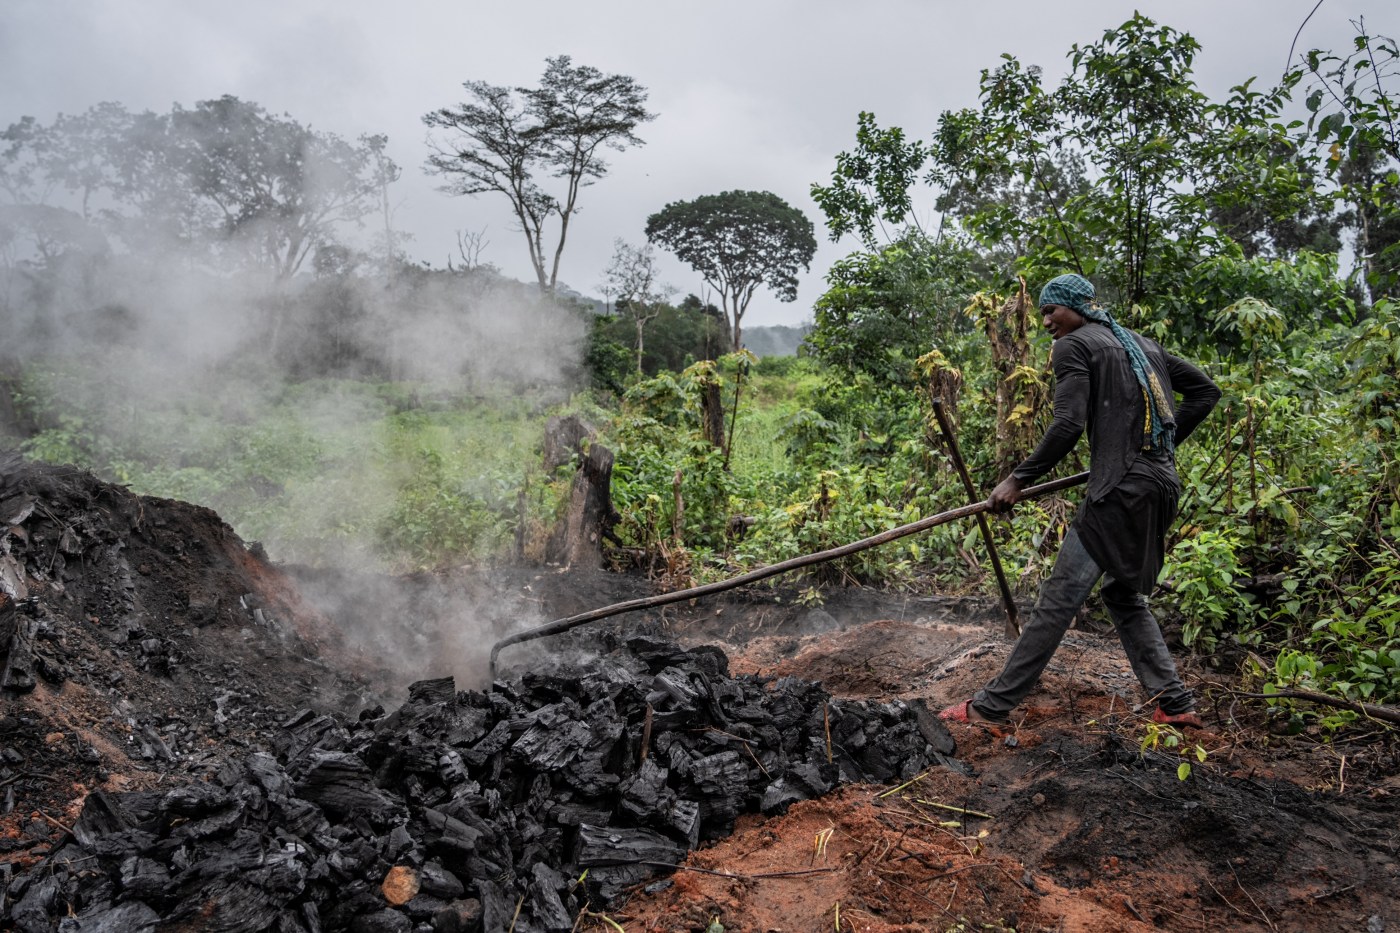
x=1071, y=581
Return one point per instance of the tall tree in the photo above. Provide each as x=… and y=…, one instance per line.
x=632, y=276
x=502, y=140
x=280, y=188
x=738, y=241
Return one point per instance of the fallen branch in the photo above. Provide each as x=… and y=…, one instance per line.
x=1383, y=713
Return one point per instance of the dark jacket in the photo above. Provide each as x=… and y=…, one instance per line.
x=1095, y=389
x=1133, y=493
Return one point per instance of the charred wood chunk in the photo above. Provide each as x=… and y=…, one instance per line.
x=590, y=774
x=31, y=913
x=439, y=690
x=195, y=800
x=307, y=732
x=263, y=770
x=143, y=879
x=353, y=901
x=674, y=689
x=215, y=824
x=449, y=833
x=646, y=792
x=547, y=908
x=15, y=509
x=100, y=817
x=299, y=817
x=382, y=921
x=683, y=816
x=17, y=675
x=607, y=884
x=436, y=880
x=127, y=917
x=495, y=740
x=657, y=654
x=463, y=916
x=120, y=844
x=572, y=814
x=422, y=758
x=497, y=905
x=466, y=725
x=933, y=730
x=802, y=781
x=554, y=738
x=229, y=905
x=340, y=784
x=679, y=757
x=717, y=816
x=724, y=774
x=615, y=845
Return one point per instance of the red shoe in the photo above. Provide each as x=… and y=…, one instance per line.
x=1186, y=720
x=963, y=712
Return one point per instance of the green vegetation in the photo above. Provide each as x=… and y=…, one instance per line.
x=1224, y=229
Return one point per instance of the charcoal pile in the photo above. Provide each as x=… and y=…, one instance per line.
x=514, y=808
x=135, y=634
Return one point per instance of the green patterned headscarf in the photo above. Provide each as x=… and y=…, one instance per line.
x=1077, y=292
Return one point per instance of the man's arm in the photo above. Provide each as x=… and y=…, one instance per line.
x=1071, y=363
x=1198, y=395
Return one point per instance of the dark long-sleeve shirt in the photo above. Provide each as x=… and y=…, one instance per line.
x=1132, y=494
x=1095, y=389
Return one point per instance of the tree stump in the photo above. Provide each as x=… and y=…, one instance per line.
x=564, y=437
x=590, y=517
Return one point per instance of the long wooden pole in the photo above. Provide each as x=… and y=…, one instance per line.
x=753, y=576
x=1013, y=626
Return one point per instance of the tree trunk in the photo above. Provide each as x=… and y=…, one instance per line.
x=578, y=539
x=712, y=414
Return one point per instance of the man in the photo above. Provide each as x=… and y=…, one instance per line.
x=1119, y=386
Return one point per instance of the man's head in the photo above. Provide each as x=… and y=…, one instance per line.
x=1063, y=303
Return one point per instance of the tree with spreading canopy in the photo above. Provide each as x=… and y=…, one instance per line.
x=503, y=140
x=738, y=241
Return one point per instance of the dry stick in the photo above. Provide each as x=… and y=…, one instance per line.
x=734, y=415
x=1239, y=885
x=763, y=573
x=738, y=877
x=826, y=722
x=744, y=742
x=1383, y=713
x=1013, y=627
x=646, y=732
x=888, y=880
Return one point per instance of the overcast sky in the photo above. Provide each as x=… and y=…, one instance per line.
x=759, y=94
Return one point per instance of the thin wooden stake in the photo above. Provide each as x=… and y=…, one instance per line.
x=1008, y=601
x=826, y=721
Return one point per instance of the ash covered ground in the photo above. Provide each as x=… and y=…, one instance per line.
x=192, y=738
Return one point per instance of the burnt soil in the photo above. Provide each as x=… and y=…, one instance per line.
x=147, y=645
